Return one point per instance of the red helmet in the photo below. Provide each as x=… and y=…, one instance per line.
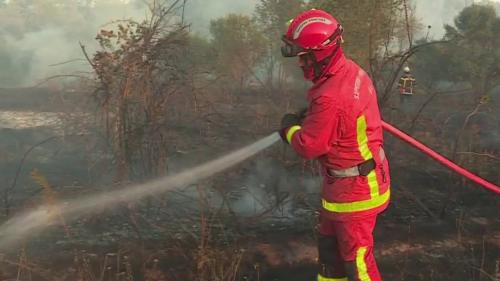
x=313, y=30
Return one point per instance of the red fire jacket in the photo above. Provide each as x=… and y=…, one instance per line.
x=343, y=129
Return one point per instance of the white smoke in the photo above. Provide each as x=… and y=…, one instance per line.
x=33, y=49
x=32, y=53
x=269, y=186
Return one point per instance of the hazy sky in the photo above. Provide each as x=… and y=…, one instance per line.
x=64, y=38
x=439, y=12
x=200, y=12
x=431, y=12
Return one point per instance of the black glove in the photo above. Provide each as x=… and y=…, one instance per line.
x=302, y=114
x=289, y=120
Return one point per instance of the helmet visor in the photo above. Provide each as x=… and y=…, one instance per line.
x=289, y=49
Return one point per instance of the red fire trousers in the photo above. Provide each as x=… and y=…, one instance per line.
x=351, y=241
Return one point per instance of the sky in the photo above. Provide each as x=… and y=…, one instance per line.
x=439, y=12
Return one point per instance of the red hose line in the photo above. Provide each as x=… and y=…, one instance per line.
x=441, y=159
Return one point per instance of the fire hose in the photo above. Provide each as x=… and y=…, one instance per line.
x=440, y=158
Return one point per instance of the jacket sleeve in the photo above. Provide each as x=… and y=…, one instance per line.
x=315, y=136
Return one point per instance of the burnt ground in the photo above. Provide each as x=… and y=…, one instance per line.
x=463, y=243
x=419, y=250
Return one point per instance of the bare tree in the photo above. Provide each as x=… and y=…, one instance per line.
x=139, y=70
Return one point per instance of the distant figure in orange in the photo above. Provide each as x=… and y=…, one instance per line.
x=406, y=86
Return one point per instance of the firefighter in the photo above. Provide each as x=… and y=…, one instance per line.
x=342, y=129
x=406, y=84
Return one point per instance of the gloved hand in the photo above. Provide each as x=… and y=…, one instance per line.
x=302, y=114
x=289, y=120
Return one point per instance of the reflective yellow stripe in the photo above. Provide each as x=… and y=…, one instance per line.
x=357, y=206
x=366, y=154
x=361, y=265
x=322, y=278
x=373, y=183
x=291, y=132
x=363, y=138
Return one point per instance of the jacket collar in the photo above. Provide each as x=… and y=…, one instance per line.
x=333, y=67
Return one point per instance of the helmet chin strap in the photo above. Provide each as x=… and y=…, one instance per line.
x=319, y=66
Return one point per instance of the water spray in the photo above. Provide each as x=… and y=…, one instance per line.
x=20, y=227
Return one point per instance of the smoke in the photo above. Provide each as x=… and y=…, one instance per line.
x=33, y=41
x=38, y=61
x=268, y=186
